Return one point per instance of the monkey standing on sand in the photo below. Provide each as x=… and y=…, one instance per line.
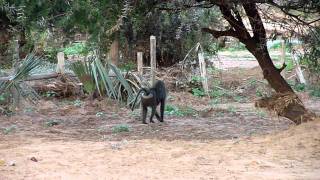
x=152, y=97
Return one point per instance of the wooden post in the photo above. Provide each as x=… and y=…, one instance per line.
x=203, y=71
x=283, y=51
x=153, y=58
x=140, y=62
x=298, y=69
x=16, y=60
x=283, y=54
x=114, y=51
x=16, y=56
x=60, y=65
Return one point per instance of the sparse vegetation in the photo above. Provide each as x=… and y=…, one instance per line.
x=52, y=122
x=180, y=111
x=9, y=129
x=198, y=92
x=120, y=128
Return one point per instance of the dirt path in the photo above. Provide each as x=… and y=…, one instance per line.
x=223, y=141
x=292, y=154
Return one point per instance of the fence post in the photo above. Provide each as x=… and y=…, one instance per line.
x=60, y=65
x=140, y=62
x=153, y=58
x=203, y=72
x=16, y=56
x=283, y=54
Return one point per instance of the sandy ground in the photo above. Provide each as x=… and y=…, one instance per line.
x=292, y=154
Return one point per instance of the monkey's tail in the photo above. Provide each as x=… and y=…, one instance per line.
x=139, y=92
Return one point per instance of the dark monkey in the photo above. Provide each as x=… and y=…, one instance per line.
x=152, y=97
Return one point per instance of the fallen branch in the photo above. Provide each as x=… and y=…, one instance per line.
x=45, y=76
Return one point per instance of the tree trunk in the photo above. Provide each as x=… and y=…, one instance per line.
x=114, y=50
x=294, y=109
x=285, y=102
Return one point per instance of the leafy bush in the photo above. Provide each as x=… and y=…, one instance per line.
x=95, y=77
x=300, y=87
x=199, y=92
x=50, y=53
x=312, y=58
x=129, y=66
x=76, y=48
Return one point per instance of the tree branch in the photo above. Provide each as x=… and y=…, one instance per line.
x=282, y=68
x=259, y=33
x=218, y=34
x=236, y=24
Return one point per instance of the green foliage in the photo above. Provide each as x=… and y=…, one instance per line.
x=198, y=92
x=315, y=91
x=261, y=113
x=196, y=79
x=76, y=48
x=100, y=114
x=236, y=46
x=22, y=72
x=120, y=128
x=4, y=98
x=95, y=76
x=129, y=66
x=180, y=111
x=52, y=122
x=77, y=103
x=231, y=109
x=83, y=71
x=299, y=87
x=312, y=58
x=49, y=94
x=217, y=93
x=240, y=99
x=9, y=129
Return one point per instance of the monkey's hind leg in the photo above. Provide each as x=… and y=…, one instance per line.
x=158, y=116
x=153, y=112
x=162, y=105
x=144, y=111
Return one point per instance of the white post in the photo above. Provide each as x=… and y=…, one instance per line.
x=298, y=70
x=16, y=56
x=203, y=72
x=153, y=58
x=16, y=60
x=140, y=62
x=60, y=65
x=283, y=54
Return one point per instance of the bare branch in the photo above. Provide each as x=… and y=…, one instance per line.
x=218, y=34
x=236, y=24
x=282, y=68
